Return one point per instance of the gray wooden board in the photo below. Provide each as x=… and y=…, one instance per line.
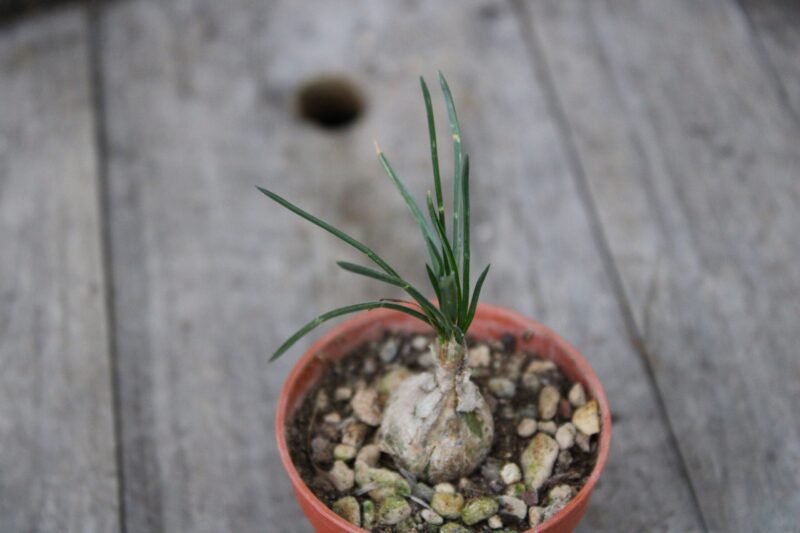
x=57, y=462
x=209, y=276
x=690, y=155
x=776, y=24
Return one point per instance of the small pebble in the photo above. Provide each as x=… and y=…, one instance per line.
x=444, y=487
x=513, y=506
x=510, y=473
x=502, y=387
x=341, y=476
x=343, y=393
x=548, y=402
x=419, y=343
x=531, y=382
x=577, y=395
x=535, y=516
x=587, y=419
x=526, y=427
x=426, y=360
x=540, y=366
x=332, y=418
x=348, y=509
x=448, y=504
x=344, y=452
x=495, y=522
x=479, y=357
x=453, y=527
x=393, y=510
x=548, y=427
x=354, y=433
x=479, y=509
x=565, y=436
x=564, y=458
x=388, y=351
x=565, y=408
x=530, y=497
x=431, y=517
x=538, y=460
x=560, y=493
x=365, y=406
x=583, y=441
x=368, y=514
x=369, y=455
x=321, y=401
x=423, y=492
x=321, y=450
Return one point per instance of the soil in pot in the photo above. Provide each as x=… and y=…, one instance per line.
x=544, y=449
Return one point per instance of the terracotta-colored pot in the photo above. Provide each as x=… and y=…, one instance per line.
x=490, y=322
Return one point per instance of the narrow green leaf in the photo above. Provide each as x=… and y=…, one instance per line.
x=330, y=229
x=339, y=312
x=449, y=302
x=475, y=295
x=465, y=255
x=436, y=318
x=437, y=180
x=455, y=132
x=448, y=256
x=427, y=233
x=434, y=282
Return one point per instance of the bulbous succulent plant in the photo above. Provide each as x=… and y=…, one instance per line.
x=436, y=424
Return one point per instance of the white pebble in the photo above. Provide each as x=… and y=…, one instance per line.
x=419, y=343
x=526, y=427
x=510, y=473
x=577, y=395
x=343, y=393
x=565, y=436
x=495, y=522
x=479, y=356
x=548, y=427
x=444, y=487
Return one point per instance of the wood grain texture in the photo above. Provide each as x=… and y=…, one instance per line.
x=691, y=159
x=57, y=462
x=209, y=277
x=776, y=27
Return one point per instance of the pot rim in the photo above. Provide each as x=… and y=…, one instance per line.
x=484, y=310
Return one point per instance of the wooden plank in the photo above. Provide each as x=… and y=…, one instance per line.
x=776, y=24
x=691, y=160
x=209, y=277
x=58, y=468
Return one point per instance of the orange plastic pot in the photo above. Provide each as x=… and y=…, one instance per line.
x=490, y=322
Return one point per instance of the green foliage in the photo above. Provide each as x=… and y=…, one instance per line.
x=448, y=270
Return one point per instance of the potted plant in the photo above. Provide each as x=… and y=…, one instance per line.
x=439, y=414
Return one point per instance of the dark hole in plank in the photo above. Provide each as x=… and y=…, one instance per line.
x=331, y=102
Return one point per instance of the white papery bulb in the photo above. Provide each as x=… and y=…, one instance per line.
x=437, y=424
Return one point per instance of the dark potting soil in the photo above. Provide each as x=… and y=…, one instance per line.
x=364, y=366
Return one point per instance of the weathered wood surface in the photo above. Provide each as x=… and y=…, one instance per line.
x=691, y=157
x=635, y=187
x=57, y=463
x=209, y=277
x=776, y=27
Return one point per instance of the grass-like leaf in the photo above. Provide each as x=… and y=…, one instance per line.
x=465, y=253
x=437, y=180
x=455, y=132
x=330, y=229
x=427, y=232
x=343, y=311
x=428, y=308
x=473, y=306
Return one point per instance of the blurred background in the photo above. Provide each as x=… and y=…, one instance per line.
x=635, y=185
